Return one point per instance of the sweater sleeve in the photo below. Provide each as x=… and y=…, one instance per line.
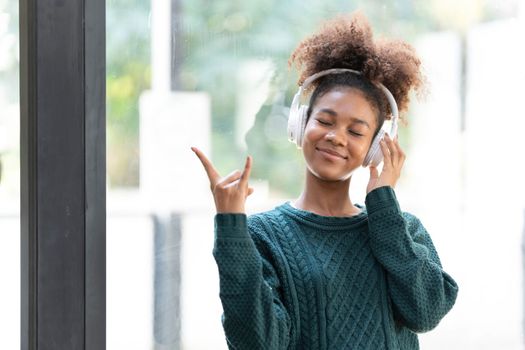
x=421, y=292
x=254, y=316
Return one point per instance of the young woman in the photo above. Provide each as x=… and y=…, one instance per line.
x=322, y=272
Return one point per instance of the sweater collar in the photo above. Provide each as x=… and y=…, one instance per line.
x=335, y=222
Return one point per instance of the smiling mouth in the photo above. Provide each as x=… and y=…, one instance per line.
x=331, y=153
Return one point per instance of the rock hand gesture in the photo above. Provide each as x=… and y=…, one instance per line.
x=229, y=192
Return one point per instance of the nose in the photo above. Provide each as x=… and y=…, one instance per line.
x=336, y=137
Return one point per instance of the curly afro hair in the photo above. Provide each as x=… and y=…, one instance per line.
x=347, y=42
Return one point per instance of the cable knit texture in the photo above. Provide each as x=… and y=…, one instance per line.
x=292, y=279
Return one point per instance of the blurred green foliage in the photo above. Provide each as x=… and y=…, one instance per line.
x=127, y=76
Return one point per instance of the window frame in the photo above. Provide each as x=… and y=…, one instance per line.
x=63, y=174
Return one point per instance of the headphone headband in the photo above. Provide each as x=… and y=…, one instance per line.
x=308, y=81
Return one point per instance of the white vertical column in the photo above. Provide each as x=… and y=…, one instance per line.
x=253, y=80
x=171, y=177
x=171, y=122
x=160, y=44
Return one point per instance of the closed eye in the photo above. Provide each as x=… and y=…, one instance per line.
x=323, y=122
x=355, y=133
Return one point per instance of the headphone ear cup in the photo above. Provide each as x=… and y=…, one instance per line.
x=301, y=124
x=374, y=155
x=292, y=125
x=294, y=119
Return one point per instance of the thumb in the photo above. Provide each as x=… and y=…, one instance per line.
x=250, y=191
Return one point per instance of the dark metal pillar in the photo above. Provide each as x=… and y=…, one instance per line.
x=62, y=151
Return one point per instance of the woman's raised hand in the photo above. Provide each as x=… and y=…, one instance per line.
x=393, y=159
x=230, y=192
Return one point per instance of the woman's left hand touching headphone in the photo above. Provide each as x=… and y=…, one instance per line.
x=393, y=159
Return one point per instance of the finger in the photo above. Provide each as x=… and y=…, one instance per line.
x=250, y=191
x=399, y=157
x=401, y=163
x=246, y=172
x=213, y=175
x=228, y=179
x=402, y=156
x=400, y=151
x=394, y=155
x=386, y=154
x=374, y=173
x=398, y=145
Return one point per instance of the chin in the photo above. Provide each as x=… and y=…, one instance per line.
x=330, y=176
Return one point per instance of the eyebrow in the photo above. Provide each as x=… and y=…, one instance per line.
x=334, y=114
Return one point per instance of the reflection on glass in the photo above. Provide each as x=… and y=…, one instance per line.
x=9, y=177
x=215, y=75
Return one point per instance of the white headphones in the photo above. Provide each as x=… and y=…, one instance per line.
x=298, y=117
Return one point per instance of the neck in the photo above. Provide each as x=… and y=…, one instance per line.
x=328, y=198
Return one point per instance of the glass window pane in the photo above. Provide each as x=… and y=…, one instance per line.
x=9, y=177
x=214, y=74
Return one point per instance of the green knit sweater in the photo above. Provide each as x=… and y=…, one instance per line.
x=292, y=279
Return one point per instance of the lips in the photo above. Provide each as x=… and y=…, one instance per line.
x=331, y=152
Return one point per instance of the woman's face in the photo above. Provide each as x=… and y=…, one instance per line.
x=338, y=134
